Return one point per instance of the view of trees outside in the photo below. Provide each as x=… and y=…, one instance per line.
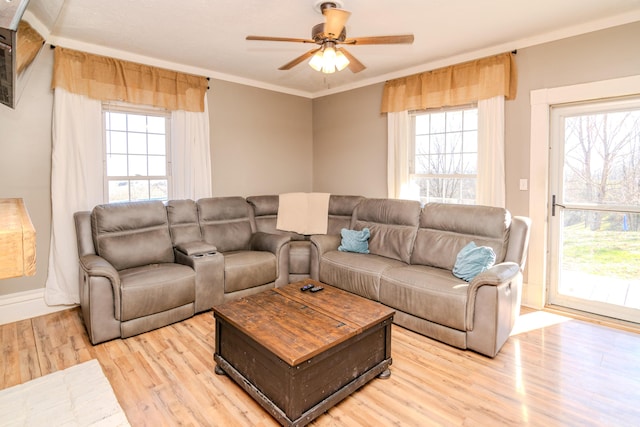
x=602, y=172
x=136, y=154
x=446, y=156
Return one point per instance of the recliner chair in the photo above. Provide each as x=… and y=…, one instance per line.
x=253, y=261
x=130, y=279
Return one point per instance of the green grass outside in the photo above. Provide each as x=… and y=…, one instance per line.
x=602, y=253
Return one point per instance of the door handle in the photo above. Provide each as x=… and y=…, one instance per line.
x=554, y=204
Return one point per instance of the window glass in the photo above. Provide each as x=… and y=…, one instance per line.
x=136, y=153
x=445, y=160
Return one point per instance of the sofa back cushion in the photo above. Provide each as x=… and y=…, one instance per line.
x=226, y=222
x=183, y=221
x=393, y=225
x=340, y=212
x=447, y=228
x=265, y=210
x=132, y=234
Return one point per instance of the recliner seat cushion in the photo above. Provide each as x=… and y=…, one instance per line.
x=431, y=293
x=357, y=273
x=248, y=269
x=155, y=288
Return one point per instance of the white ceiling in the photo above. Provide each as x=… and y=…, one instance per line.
x=207, y=37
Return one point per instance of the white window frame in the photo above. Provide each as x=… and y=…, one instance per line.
x=535, y=291
x=412, y=156
x=120, y=107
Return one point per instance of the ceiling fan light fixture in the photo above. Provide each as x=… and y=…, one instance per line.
x=341, y=61
x=328, y=60
x=316, y=61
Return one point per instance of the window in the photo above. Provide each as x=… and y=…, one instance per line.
x=445, y=155
x=136, y=153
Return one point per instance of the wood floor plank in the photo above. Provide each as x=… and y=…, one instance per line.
x=566, y=372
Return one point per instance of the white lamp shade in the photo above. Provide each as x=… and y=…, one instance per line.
x=328, y=60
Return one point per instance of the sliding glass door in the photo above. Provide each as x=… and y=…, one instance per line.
x=594, y=256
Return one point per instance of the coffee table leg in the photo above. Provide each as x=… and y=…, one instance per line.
x=218, y=370
x=384, y=375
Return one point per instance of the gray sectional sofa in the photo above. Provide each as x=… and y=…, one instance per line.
x=412, y=252
x=222, y=248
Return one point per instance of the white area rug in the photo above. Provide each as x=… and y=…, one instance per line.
x=77, y=396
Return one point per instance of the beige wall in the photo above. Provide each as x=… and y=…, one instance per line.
x=265, y=142
x=350, y=143
x=261, y=141
x=349, y=135
x=590, y=57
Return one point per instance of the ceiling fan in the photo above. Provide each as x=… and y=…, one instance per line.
x=328, y=57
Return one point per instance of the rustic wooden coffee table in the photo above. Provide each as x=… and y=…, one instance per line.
x=299, y=353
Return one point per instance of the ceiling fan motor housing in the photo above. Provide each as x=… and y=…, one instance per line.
x=319, y=36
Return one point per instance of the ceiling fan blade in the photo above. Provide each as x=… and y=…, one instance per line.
x=289, y=65
x=335, y=19
x=354, y=65
x=401, y=39
x=279, y=39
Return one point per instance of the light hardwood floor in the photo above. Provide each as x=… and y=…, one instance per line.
x=552, y=371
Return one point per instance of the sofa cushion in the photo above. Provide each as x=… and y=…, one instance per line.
x=248, y=269
x=226, y=222
x=393, y=224
x=183, y=221
x=155, y=288
x=132, y=234
x=265, y=210
x=433, y=294
x=353, y=272
x=355, y=241
x=473, y=260
x=447, y=228
x=340, y=211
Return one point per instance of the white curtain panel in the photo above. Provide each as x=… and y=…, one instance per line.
x=76, y=185
x=398, y=155
x=490, y=187
x=77, y=179
x=190, y=154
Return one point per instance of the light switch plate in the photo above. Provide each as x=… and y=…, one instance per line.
x=524, y=184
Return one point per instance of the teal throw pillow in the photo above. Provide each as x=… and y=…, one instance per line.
x=355, y=241
x=473, y=260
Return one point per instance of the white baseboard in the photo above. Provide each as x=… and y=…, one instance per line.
x=25, y=305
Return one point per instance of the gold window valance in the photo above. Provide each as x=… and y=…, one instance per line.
x=29, y=44
x=109, y=79
x=454, y=85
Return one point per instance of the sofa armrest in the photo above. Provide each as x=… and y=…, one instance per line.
x=518, y=240
x=320, y=244
x=270, y=242
x=278, y=244
x=499, y=274
x=209, y=268
x=325, y=242
x=197, y=248
x=94, y=265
